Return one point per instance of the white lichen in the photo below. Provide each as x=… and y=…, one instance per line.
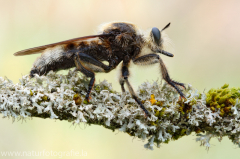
x=61, y=97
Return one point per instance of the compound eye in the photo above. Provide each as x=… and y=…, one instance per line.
x=156, y=35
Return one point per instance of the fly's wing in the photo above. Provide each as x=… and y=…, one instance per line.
x=40, y=49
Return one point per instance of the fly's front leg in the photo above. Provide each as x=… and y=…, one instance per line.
x=154, y=58
x=124, y=78
x=167, y=78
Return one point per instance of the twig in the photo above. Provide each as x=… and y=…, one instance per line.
x=56, y=96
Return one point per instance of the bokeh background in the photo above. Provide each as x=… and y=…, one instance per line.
x=206, y=46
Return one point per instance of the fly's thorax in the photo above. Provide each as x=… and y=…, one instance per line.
x=123, y=27
x=122, y=33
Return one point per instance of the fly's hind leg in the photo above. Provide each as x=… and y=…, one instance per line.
x=87, y=73
x=154, y=58
x=124, y=78
x=121, y=81
x=88, y=65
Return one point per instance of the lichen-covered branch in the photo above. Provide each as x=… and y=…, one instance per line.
x=55, y=96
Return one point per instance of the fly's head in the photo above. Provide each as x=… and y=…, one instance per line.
x=155, y=41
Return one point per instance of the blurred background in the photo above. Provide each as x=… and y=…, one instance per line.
x=205, y=36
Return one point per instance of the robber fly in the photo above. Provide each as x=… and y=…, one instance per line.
x=116, y=42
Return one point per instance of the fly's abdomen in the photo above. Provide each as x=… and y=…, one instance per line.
x=56, y=58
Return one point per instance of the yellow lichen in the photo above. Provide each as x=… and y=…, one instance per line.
x=152, y=99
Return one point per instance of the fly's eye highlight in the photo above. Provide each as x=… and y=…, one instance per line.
x=156, y=35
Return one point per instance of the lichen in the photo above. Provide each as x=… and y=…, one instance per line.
x=55, y=96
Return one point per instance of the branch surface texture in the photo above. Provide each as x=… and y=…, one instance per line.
x=212, y=114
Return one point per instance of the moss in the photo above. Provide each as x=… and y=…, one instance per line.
x=97, y=88
x=85, y=102
x=197, y=130
x=45, y=98
x=222, y=99
x=193, y=102
x=157, y=113
x=31, y=93
x=222, y=105
x=77, y=98
x=213, y=109
x=159, y=103
x=225, y=86
x=200, y=96
x=227, y=109
x=232, y=101
x=166, y=141
x=161, y=114
x=142, y=91
x=222, y=113
x=153, y=123
x=74, y=89
x=179, y=133
x=185, y=108
x=169, y=131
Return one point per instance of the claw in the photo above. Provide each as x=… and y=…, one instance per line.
x=182, y=98
x=183, y=87
x=87, y=98
x=146, y=114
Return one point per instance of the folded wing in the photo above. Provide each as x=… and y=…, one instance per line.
x=40, y=49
